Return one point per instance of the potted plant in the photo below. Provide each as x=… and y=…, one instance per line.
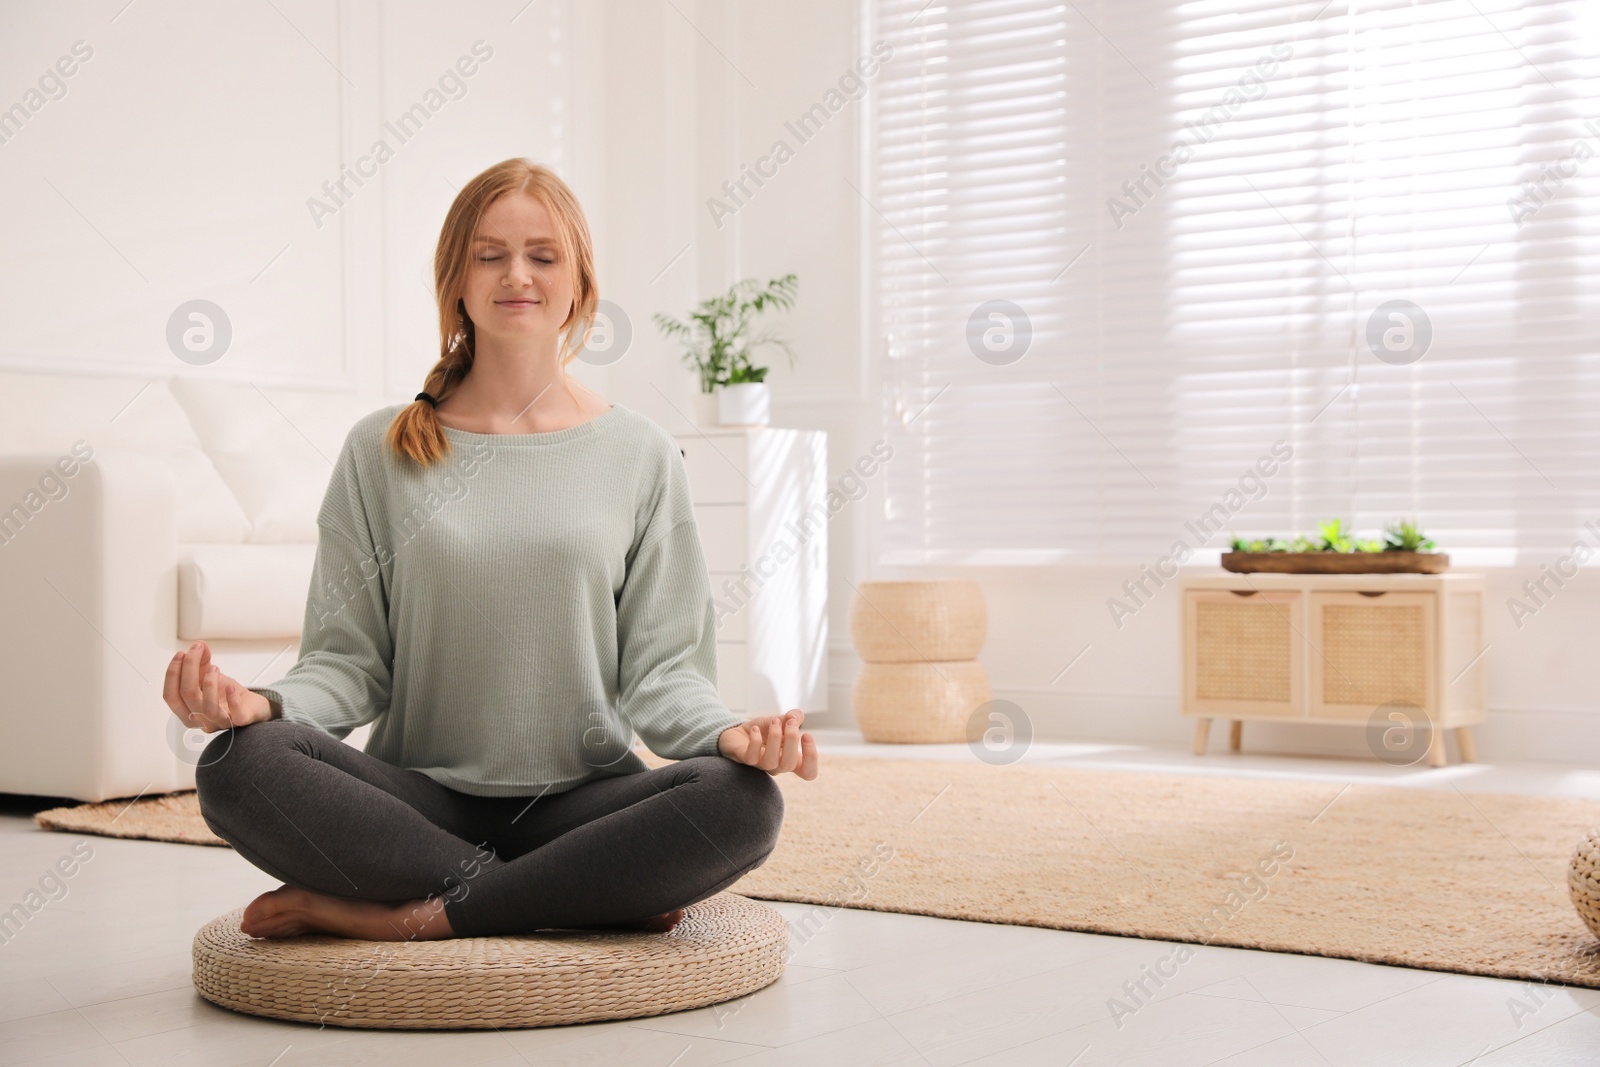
x=719, y=342
x=1403, y=548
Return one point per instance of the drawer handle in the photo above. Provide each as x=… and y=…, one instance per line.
x=1244, y=592
x=1380, y=592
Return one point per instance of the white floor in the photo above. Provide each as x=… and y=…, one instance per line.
x=101, y=977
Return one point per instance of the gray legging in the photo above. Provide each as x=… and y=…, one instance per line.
x=319, y=814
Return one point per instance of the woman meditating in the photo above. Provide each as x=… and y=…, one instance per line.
x=508, y=585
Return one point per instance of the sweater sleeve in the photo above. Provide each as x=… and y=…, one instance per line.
x=666, y=634
x=342, y=678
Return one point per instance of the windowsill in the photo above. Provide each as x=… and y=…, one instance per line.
x=1202, y=561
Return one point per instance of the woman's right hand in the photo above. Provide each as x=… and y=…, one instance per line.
x=204, y=698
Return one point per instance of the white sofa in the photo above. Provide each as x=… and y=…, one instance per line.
x=137, y=515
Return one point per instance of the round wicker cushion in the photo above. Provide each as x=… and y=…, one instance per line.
x=918, y=703
x=912, y=621
x=1583, y=879
x=726, y=946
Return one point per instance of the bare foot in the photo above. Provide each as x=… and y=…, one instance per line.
x=289, y=912
x=656, y=923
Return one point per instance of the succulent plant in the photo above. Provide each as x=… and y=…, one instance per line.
x=1334, y=539
x=1402, y=536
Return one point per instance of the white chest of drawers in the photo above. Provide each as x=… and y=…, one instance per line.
x=760, y=499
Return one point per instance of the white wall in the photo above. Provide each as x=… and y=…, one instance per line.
x=117, y=192
x=670, y=116
x=181, y=160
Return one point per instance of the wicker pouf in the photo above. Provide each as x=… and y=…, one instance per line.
x=920, y=680
x=726, y=946
x=913, y=621
x=918, y=703
x=1583, y=880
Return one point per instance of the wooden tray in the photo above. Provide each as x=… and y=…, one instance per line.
x=1337, y=562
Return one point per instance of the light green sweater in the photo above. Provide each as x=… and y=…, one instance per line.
x=509, y=617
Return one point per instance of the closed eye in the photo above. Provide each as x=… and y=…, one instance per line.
x=494, y=259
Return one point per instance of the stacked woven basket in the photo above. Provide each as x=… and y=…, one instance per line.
x=920, y=679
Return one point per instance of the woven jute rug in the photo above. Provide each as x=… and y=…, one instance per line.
x=1437, y=879
x=170, y=817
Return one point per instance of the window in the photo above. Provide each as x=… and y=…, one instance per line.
x=1127, y=258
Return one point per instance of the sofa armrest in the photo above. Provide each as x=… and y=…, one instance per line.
x=88, y=566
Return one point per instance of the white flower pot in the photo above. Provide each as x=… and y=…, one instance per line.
x=704, y=409
x=745, y=404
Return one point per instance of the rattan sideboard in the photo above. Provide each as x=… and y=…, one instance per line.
x=1356, y=649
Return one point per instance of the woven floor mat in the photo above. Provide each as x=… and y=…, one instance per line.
x=1438, y=879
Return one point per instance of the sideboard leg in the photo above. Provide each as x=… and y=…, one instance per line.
x=1469, y=747
x=1235, y=735
x=1202, y=734
x=1436, y=748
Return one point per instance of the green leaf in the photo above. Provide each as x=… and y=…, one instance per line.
x=746, y=373
x=1404, y=536
x=717, y=340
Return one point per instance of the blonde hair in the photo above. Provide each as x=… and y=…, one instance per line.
x=416, y=431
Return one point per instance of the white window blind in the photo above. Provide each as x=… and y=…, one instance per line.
x=1185, y=310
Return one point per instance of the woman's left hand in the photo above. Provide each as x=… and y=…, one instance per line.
x=773, y=743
